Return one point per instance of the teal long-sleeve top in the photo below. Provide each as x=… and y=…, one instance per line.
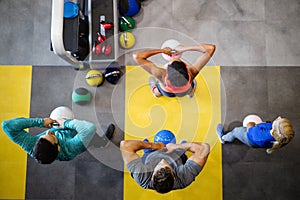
x=73, y=138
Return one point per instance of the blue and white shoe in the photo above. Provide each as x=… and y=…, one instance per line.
x=182, y=151
x=152, y=84
x=191, y=95
x=220, y=132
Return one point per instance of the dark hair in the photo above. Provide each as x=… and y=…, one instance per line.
x=163, y=180
x=44, y=151
x=177, y=73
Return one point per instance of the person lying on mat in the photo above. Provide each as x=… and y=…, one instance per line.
x=164, y=169
x=268, y=135
x=63, y=142
x=177, y=78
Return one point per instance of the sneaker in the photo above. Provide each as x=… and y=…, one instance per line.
x=181, y=150
x=110, y=131
x=220, y=132
x=146, y=150
x=183, y=141
x=194, y=89
x=152, y=84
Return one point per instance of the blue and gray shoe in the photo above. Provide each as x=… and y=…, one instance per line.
x=220, y=132
x=147, y=150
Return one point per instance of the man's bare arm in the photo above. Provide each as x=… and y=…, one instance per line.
x=130, y=147
x=200, y=150
x=208, y=51
x=141, y=58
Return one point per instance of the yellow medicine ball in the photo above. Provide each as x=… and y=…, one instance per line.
x=94, y=78
x=127, y=40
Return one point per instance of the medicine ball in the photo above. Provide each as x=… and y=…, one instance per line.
x=94, y=78
x=127, y=40
x=251, y=118
x=129, y=7
x=81, y=96
x=165, y=136
x=62, y=112
x=71, y=10
x=113, y=74
x=127, y=23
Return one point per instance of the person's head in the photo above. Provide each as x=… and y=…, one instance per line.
x=177, y=72
x=163, y=177
x=46, y=148
x=282, y=130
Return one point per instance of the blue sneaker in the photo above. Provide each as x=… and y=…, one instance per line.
x=152, y=84
x=181, y=150
x=183, y=141
x=220, y=133
x=146, y=150
x=194, y=89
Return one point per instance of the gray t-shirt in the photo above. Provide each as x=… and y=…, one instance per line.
x=184, y=173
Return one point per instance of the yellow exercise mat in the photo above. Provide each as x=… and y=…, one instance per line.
x=192, y=119
x=15, y=88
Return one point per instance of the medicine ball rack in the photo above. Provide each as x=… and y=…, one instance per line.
x=65, y=33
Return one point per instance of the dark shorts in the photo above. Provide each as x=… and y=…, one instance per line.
x=169, y=94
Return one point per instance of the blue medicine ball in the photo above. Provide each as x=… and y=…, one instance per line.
x=113, y=74
x=129, y=7
x=165, y=136
x=70, y=10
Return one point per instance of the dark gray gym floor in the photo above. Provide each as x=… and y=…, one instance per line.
x=247, y=173
x=258, y=51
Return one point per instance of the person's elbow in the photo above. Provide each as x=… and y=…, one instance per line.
x=6, y=126
x=136, y=57
x=123, y=145
x=128, y=146
x=211, y=49
x=93, y=128
x=204, y=148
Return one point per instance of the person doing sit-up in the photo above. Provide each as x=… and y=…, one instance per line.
x=167, y=170
x=177, y=77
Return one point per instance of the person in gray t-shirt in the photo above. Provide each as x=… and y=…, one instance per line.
x=165, y=168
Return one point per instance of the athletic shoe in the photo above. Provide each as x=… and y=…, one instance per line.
x=147, y=150
x=220, y=132
x=181, y=150
x=194, y=89
x=110, y=131
x=183, y=141
x=152, y=84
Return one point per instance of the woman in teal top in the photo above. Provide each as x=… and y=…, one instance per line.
x=61, y=143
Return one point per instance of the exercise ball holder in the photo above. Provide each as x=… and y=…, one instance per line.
x=172, y=44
